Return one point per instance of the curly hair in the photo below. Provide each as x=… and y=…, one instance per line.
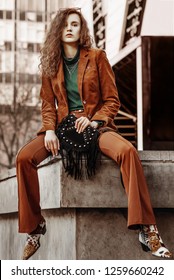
x=52, y=48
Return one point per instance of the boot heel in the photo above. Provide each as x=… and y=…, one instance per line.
x=43, y=231
x=144, y=247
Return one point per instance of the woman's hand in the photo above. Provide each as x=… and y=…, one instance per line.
x=81, y=123
x=51, y=142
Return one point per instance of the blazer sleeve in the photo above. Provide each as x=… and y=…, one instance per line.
x=48, y=108
x=108, y=90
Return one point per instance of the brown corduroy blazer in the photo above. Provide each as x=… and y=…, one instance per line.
x=97, y=89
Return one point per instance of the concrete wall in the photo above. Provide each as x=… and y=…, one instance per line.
x=87, y=220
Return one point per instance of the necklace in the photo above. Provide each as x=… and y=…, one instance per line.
x=71, y=68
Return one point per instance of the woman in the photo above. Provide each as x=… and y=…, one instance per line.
x=79, y=79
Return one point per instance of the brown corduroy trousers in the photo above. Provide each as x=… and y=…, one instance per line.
x=112, y=145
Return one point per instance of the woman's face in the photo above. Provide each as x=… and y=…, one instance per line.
x=71, y=30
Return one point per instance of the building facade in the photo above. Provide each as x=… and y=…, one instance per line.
x=22, y=30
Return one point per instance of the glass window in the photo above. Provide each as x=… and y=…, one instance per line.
x=35, y=95
x=38, y=47
x=33, y=62
x=22, y=46
x=22, y=15
x=28, y=93
x=9, y=61
x=39, y=17
x=40, y=32
x=22, y=31
x=8, y=78
x=2, y=46
x=2, y=62
x=31, y=16
x=30, y=47
x=38, y=79
x=31, y=78
x=2, y=31
x=34, y=5
x=2, y=5
x=8, y=46
x=53, y=6
x=22, y=62
x=40, y=6
x=8, y=14
x=35, y=32
x=9, y=31
x=22, y=5
x=32, y=32
x=22, y=78
x=10, y=4
x=6, y=96
x=1, y=14
x=24, y=92
x=27, y=63
x=6, y=62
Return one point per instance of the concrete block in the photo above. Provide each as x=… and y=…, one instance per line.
x=84, y=234
x=103, y=190
x=156, y=156
x=59, y=242
x=8, y=195
x=50, y=185
x=102, y=234
x=159, y=177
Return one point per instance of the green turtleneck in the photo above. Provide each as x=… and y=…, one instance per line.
x=70, y=74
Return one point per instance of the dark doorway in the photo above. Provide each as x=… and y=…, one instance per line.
x=158, y=93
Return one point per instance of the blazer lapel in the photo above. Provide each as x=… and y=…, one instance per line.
x=61, y=80
x=81, y=69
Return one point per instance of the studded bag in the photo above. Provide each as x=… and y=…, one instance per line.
x=79, y=151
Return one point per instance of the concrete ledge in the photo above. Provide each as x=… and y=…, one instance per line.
x=103, y=190
x=88, y=219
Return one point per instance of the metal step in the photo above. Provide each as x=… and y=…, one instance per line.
x=127, y=134
x=126, y=126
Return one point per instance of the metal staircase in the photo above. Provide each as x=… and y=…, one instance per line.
x=127, y=126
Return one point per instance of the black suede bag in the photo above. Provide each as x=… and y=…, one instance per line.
x=79, y=151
